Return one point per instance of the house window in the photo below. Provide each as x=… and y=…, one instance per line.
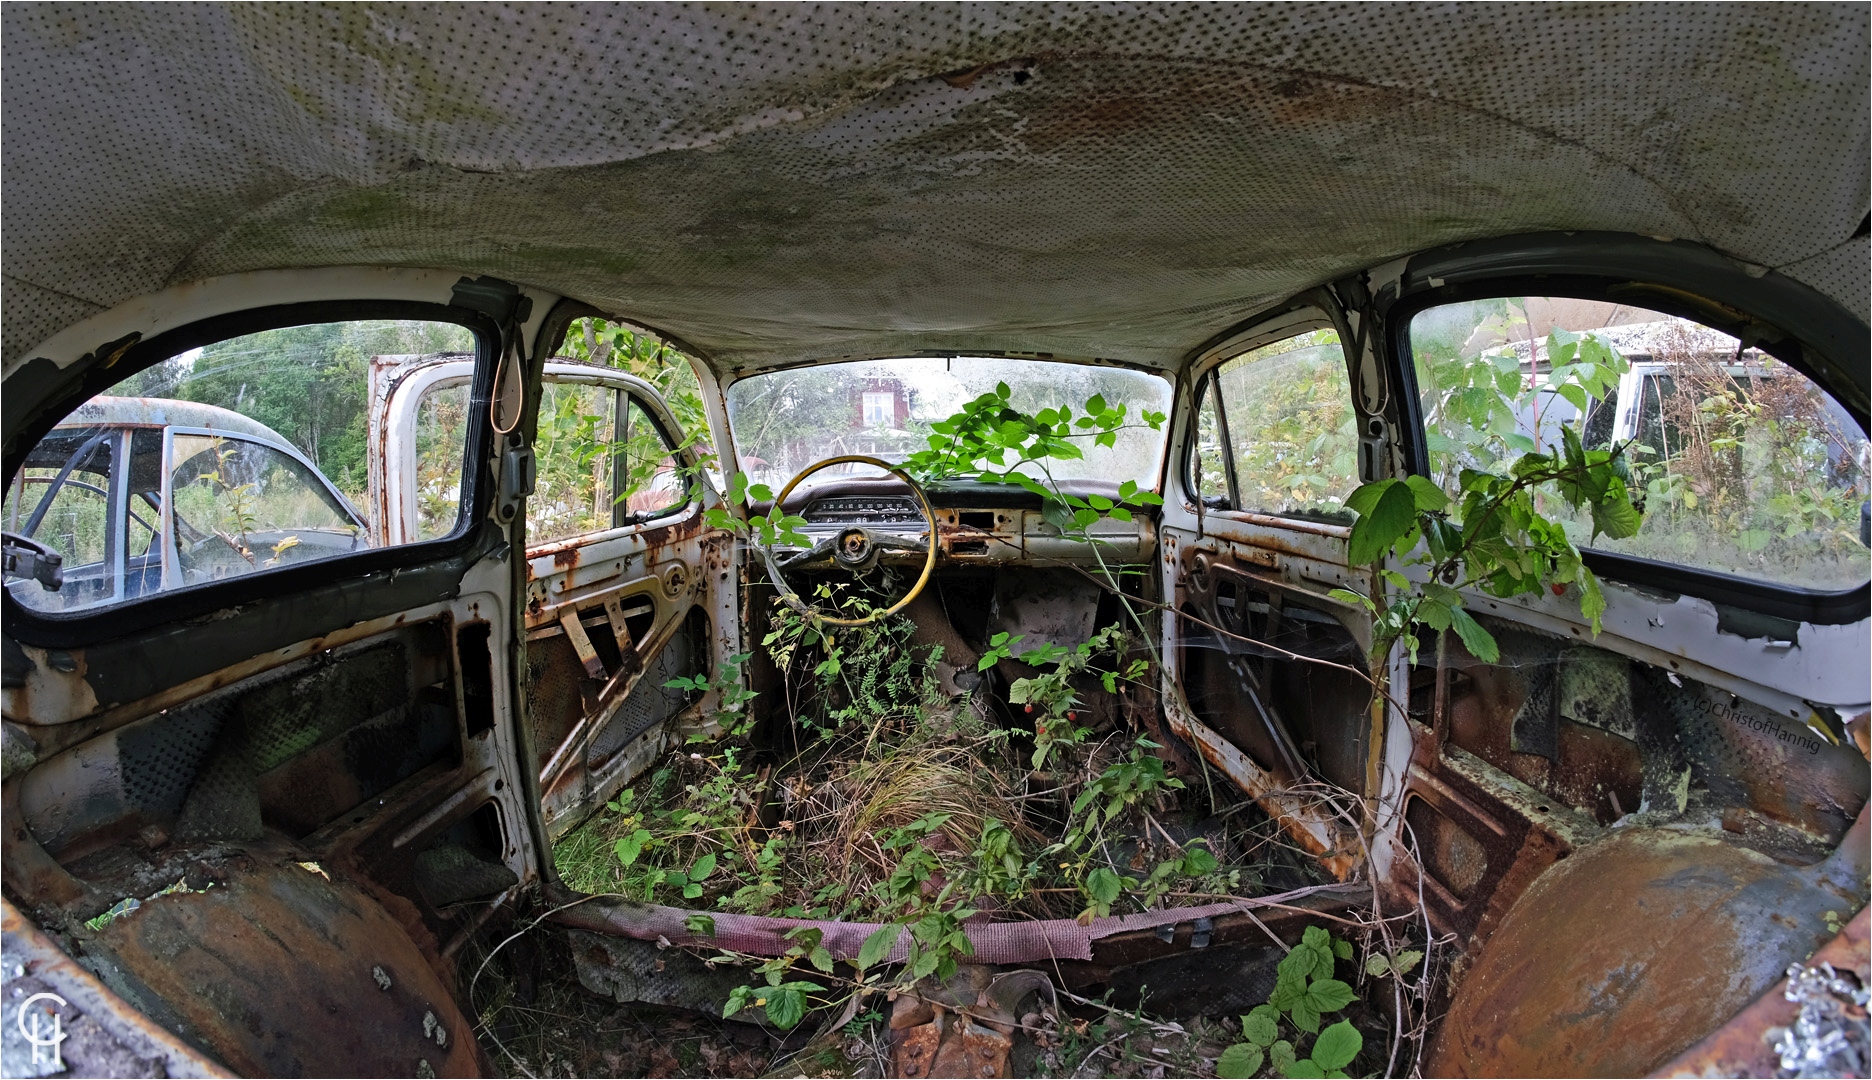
x=879, y=409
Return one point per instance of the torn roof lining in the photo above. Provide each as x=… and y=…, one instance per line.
x=777, y=185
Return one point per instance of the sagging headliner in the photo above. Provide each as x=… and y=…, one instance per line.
x=773, y=183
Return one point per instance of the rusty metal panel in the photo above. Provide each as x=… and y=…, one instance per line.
x=1742, y=1047
x=215, y=965
x=1615, y=960
x=104, y=1035
x=581, y=642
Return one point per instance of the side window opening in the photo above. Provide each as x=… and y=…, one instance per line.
x=1209, y=457
x=613, y=344
x=1744, y=465
x=1276, y=431
x=236, y=457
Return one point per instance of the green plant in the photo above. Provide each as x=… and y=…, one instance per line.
x=731, y=714
x=937, y=939
x=1304, y=991
x=1492, y=538
x=1050, y=696
x=784, y=998
x=767, y=530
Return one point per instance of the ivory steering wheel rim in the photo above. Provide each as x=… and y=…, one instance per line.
x=792, y=599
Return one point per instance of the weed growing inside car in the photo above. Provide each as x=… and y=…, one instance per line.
x=884, y=799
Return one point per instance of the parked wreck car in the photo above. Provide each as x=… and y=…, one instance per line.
x=134, y=494
x=427, y=610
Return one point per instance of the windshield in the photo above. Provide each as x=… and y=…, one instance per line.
x=784, y=421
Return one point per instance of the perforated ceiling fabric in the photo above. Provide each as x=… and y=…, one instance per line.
x=772, y=183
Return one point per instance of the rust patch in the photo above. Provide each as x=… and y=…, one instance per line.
x=39, y=959
x=54, y=740
x=1314, y=829
x=1623, y=954
x=1742, y=1047
x=29, y=872
x=581, y=642
x=363, y=1000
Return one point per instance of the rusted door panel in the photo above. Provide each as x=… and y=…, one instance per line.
x=610, y=621
x=1624, y=868
x=1239, y=641
x=611, y=616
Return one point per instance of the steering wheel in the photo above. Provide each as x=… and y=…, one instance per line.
x=853, y=548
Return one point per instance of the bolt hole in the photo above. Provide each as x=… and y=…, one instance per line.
x=499, y=784
x=1542, y=809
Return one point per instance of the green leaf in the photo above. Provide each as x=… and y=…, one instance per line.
x=1329, y=995
x=1347, y=596
x=1428, y=496
x=1323, y=963
x=785, y=1008
x=1239, y=1062
x=703, y=867
x=1406, y=960
x=1592, y=601
x=1342, y=949
x=629, y=847
x=700, y=924
x=1285, y=994
x=1337, y=1046
x=878, y=945
x=1281, y=1055
x=1260, y=1027
x=1616, y=517
x=1479, y=642
x=1304, y=1068
x=1392, y=514
x=1366, y=496
x=1304, y=1016
x=1103, y=885
x=691, y=891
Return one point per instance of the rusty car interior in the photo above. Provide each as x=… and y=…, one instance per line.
x=302, y=719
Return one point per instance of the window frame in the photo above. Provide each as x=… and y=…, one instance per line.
x=1789, y=602
x=1205, y=377
x=171, y=554
x=133, y=615
x=652, y=410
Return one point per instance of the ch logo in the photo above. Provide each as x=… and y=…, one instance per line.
x=45, y=1039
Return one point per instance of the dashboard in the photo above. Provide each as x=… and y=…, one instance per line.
x=976, y=522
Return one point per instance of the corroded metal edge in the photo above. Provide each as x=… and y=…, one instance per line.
x=1741, y=1047
x=35, y=954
